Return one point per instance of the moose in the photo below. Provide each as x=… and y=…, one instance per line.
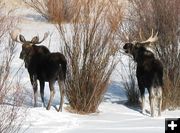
x=44, y=66
x=149, y=71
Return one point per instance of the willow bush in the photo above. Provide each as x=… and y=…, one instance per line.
x=90, y=47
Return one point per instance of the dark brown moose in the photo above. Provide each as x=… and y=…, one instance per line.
x=149, y=72
x=44, y=66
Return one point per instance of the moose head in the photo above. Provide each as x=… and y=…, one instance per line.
x=27, y=46
x=143, y=47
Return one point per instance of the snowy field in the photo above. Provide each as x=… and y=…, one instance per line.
x=113, y=116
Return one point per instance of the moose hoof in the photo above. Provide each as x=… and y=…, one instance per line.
x=47, y=108
x=58, y=110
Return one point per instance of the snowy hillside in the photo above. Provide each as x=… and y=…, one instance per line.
x=113, y=116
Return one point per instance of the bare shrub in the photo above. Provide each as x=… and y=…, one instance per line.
x=11, y=97
x=90, y=47
x=129, y=82
x=40, y=6
x=163, y=16
x=10, y=90
x=55, y=10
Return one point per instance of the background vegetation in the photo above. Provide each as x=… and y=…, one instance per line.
x=96, y=27
x=10, y=87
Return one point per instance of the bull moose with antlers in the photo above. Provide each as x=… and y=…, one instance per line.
x=149, y=72
x=44, y=66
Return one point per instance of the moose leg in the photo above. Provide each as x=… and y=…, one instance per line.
x=61, y=89
x=152, y=100
x=34, y=85
x=159, y=101
x=142, y=91
x=159, y=105
x=42, y=83
x=52, y=92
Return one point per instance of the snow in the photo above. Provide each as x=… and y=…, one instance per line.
x=113, y=115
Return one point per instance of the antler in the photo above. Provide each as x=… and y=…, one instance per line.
x=126, y=36
x=151, y=39
x=140, y=34
x=35, y=39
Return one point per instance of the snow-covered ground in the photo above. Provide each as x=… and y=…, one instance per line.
x=113, y=116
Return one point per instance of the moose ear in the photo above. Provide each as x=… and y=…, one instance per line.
x=35, y=40
x=22, y=39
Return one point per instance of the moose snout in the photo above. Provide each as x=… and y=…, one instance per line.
x=125, y=47
x=128, y=47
